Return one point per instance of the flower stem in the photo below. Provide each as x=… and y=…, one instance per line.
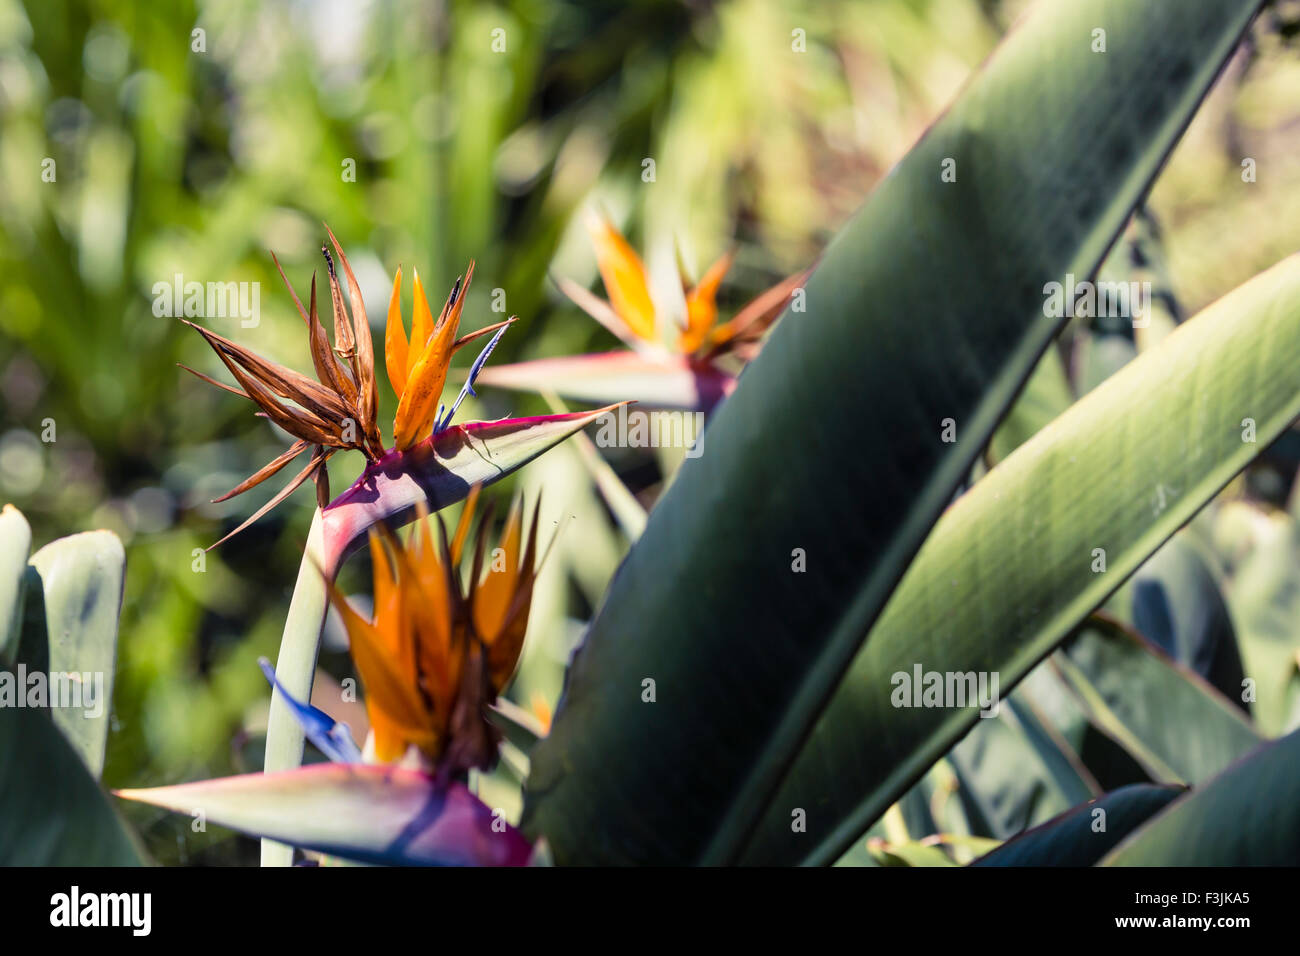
x=295, y=667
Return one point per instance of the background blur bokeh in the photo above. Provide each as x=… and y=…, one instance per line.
x=192, y=138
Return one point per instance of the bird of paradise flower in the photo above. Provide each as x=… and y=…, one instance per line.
x=439, y=649
x=690, y=364
x=431, y=461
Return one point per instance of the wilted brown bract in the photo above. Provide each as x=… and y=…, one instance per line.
x=335, y=411
x=339, y=408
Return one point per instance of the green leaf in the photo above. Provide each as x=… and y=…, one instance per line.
x=15, y=542
x=1009, y=570
x=1247, y=816
x=516, y=724
x=52, y=812
x=1014, y=772
x=1071, y=838
x=909, y=854
x=1177, y=721
x=1177, y=606
x=1046, y=395
x=1264, y=596
x=371, y=814
x=831, y=446
x=75, y=596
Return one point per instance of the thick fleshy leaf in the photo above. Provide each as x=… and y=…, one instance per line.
x=1014, y=774
x=1083, y=489
x=1083, y=835
x=1178, y=607
x=1264, y=596
x=15, y=542
x=1165, y=714
x=669, y=382
x=1249, y=815
x=831, y=450
x=371, y=814
x=439, y=471
x=52, y=812
x=70, y=633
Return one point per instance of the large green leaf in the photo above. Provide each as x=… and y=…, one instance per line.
x=929, y=306
x=1010, y=568
x=1247, y=816
x=1082, y=836
x=1014, y=774
x=52, y=813
x=1045, y=395
x=1176, y=721
x=1264, y=596
x=15, y=542
x=1177, y=606
x=73, y=601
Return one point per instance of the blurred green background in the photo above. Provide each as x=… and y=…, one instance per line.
x=194, y=138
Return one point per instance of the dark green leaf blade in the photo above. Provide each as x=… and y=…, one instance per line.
x=52, y=813
x=1073, y=838
x=1012, y=567
x=831, y=445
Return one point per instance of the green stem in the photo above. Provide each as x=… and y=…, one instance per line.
x=295, y=667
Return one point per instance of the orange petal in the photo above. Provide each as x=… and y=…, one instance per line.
x=395, y=347
x=462, y=527
x=419, y=402
x=386, y=688
x=421, y=325
x=508, y=642
x=759, y=313
x=496, y=589
x=702, y=304
x=624, y=276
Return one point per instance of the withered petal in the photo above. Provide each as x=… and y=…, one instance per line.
x=266, y=471
x=318, y=460
x=212, y=381
x=283, y=381
x=365, y=348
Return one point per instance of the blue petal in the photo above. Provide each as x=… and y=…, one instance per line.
x=468, y=387
x=331, y=738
